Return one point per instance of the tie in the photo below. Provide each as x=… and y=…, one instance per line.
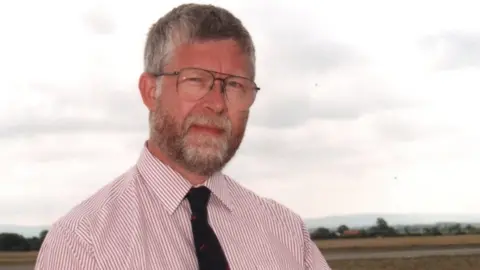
x=209, y=252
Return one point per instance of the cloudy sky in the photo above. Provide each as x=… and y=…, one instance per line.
x=366, y=106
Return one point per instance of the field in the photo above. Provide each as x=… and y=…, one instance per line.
x=12, y=258
x=332, y=248
x=468, y=262
x=411, y=244
x=395, y=243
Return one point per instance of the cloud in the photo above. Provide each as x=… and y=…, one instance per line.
x=454, y=50
x=347, y=104
x=301, y=55
x=342, y=95
x=99, y=21
x=77, y=111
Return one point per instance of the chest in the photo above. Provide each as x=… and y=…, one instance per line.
x=166, y=242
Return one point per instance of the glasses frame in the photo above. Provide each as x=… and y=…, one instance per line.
x=214, y=79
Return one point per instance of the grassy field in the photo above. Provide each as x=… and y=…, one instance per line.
x=333, y=246
x=396, y=243
x=10, y=258
x=470, y=262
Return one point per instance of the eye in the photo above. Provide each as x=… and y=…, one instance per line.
x=236, y=83
x=195, y=79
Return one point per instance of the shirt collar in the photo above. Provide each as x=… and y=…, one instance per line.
x=170, y=187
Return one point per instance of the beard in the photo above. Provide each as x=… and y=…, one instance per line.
x=197, y=152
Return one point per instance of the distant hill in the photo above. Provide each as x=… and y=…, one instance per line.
x=27, y=231
x=364, y=220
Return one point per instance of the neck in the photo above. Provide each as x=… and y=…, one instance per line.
x=193, y=178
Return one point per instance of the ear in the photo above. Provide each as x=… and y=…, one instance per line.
x=147, y=84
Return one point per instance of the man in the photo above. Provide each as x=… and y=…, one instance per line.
x=175, y=209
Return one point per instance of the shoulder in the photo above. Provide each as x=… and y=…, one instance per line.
x=270, y=209
x=83, y=215
x=281, y=225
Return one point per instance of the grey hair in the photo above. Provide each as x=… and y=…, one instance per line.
x=189, y=23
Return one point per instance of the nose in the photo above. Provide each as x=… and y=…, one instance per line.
x=215, y=99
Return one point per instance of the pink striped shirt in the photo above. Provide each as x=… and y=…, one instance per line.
x=141, y=221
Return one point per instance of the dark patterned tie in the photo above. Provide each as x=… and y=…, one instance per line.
x=209, y=252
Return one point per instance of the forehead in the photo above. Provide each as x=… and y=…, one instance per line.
x=224, y=56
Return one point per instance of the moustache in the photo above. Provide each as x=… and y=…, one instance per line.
x=222, y=123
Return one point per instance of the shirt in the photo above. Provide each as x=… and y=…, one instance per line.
x=142, y=221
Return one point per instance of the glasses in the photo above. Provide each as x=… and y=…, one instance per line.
x=194, y=83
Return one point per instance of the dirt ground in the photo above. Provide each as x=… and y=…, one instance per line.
x=16, y=267
x=467, y=262
x=392, y=243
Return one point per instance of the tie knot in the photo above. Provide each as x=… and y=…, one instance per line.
x=198, y=198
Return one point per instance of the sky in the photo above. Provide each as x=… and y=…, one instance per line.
x=366, y=106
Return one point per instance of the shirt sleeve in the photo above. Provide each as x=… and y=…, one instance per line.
x=63, y=249
x=314, y=260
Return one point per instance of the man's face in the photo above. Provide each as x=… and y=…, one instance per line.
x=201, y=135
